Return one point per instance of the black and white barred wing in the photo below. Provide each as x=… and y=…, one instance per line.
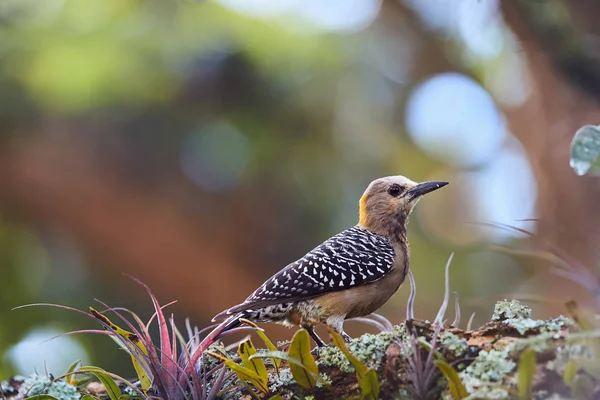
x=351, y=258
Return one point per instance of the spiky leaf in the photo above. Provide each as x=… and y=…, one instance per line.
x=526, y=373
x=145, y=380
x=300, y=350
x=455, y=385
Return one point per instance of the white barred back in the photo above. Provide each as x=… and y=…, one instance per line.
x=350, y=258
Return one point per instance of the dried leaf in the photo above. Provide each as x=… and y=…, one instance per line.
x=247, y=349
x=243, y=373
x=300, y=350
x=526, y=373
x=455, y=385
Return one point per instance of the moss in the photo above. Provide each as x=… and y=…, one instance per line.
x=490, y=367
x=368, y=348
x=36, y=384
x=510, y=310
x=455, y=344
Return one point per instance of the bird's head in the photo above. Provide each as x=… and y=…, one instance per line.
x=387, y=202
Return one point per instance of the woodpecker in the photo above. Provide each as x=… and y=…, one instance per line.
x=350, y=275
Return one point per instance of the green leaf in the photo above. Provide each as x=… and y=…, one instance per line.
x=243, y=373
x=72, y=378
x=41, y=397
x=585, y=149
x=112, y=389
x=455, y=385
x=300, y=350
x=570, y=371
x=369, y=386
x=247, y=349
x=276, y=397
x=526, y=373
x=90, y=397
x=266, y=340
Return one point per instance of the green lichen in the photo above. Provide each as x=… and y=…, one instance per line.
x=368, y=348
x=36, y=384
x=510, y=309
x=285, y=378
x=524, y=325
x=489, y=369
x=455, y=344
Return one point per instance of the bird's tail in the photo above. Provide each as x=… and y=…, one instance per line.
x=232, y=322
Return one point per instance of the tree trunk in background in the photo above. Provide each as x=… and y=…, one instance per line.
x=565, y=79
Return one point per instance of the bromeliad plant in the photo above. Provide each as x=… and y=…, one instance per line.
x=170, y=370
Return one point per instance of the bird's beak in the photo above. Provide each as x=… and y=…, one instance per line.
x=424, y=188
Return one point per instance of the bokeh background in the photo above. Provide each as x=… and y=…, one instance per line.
x=202, y=146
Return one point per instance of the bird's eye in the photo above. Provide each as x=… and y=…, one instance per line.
x=394, y=190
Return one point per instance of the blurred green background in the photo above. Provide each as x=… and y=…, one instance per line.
x=202, y=146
